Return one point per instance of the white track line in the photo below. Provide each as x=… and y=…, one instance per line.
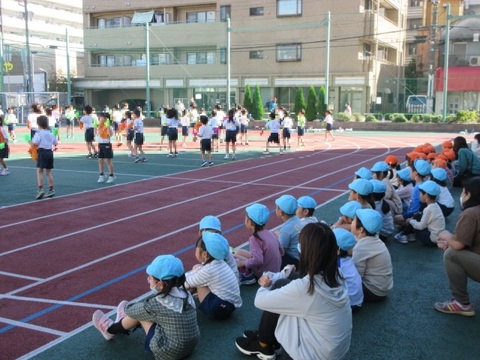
x=9, y=274
x=32, y=327
x=57, y=302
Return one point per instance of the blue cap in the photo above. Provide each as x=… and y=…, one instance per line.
x=378, y=186
x=371, y=220
x=361, y=186
x=404, y=174
x=380, y=166
x=217, y=246
x=345, y=239
x=210, y=222
x=258, y=213
x=422, y=167
x=430, y=187
x=439, y=174
x=364, y=173
x=287, y=203
x=307, y=202
x=350, y=208
x=165, y=267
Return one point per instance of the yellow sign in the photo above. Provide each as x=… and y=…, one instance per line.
x=8, y=66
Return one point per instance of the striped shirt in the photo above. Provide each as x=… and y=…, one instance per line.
x=219, y=278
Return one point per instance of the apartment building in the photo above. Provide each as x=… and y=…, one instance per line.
x=47, y=21
x=279, y=45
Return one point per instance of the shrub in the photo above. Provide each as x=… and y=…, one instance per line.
x=311, y=110
x=436, y=119
x=299, y=101
x=426, y=118
x=248, y=99
x=378, y=116
x=417, y=118
x=257, y=108
x=321, y=101
x=399, y=118
x=370, y=118
x=359, y=117
x=466, y=116
x=341, y=117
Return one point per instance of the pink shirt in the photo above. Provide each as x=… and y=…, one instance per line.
x=266, y=253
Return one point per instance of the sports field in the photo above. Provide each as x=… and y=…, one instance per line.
x=87, y=248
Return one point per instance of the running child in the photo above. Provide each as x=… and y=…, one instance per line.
x=105, y=150
x=87, y=122
x=168, y=316
x=4, y=149
x=213, y=122
x=11, y=121
x=301, y=121
x=287, y=124
x=172, y=123
x=217, y=287
x=265, y=253
x=274, y=126
x=231, y=126
x=45, y=141
x=328, y=125
x=185, y=123
x=70, y=119
x=205, y=133
x=139, y=137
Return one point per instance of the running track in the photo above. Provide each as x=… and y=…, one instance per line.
x=65, y=257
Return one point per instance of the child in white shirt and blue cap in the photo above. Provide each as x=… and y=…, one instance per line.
x=286, y=208
x=348, y=211
x=306, y=209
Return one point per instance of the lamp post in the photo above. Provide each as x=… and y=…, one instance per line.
x=431, y=58
x=29, y=69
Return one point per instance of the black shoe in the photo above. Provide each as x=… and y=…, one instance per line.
x=252, y=347
x=251, y=334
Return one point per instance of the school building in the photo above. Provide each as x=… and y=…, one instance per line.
x=279, y=45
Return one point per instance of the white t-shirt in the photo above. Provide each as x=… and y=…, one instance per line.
x=87, y=121
x=138, y=125
x=205, y=132
x=32, y=120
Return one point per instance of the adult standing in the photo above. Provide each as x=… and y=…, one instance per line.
x=462, y=251
x=468, y=164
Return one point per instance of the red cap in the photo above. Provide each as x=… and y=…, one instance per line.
x=447, y=144
x=440, y=162
x=391, y=160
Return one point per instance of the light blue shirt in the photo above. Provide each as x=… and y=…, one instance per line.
x=288, y=236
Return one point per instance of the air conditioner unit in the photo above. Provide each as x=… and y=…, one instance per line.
x=474, y=60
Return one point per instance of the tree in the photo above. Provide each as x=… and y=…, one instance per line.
x=322, y=107
x=299, y=101
x=411, y=76
x=311, y=111
x=248, y=100
x=257, y=108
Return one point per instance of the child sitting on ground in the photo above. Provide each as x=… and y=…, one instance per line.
x=392, y=162
x=361, y=191
x=432, y=221
x=405, y=187
x=380, y=172
x=383, y=208
x=441, y=162
x=306, y=209
x=265, y=251
x=346, y=242
x=371, y=256
x=212, y=224
x=168, y=316
x=363, y=173
x=217, y=287
x=445, y=199
x=286, y=207
x=348, y=211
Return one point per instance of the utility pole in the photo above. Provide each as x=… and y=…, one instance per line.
x=431, y=58
x=28, y=55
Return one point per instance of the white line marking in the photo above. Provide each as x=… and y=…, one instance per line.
x=58, y=302
x=32, y=327
x=19, y=276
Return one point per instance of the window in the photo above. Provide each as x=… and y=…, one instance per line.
x=289, y=7
x=114, y=22
x=223, y=55
x=193, y=17
x=194, y=58
x=416, y=2
x=256, y=11
x=256, y=54
x=225, y=12
x=412, y=49
x=289, y=52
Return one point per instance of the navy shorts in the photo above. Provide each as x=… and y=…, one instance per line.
x=105, y=151
x=115, y=126
x=32, y=133
x=164, y=130
x=69, y=122
x=329, y=127
x=231, y=136
x=150, y=335
x=215, y=308
x=205, y=145
x=4, y=152
x=300, y=131
x=11, y=127
x=273, y=138
x=45, y=159
x=243, y=128
x=172, y=134
x=286, y=133
x=89, y=135
x=130, y=135
x=139, y=139
x=184, y=130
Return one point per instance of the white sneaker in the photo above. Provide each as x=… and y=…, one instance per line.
x=102, y=322
x=403, y=239
x=226, y=157
x=4, y=172
x=233, y=157
x=111, y=179
x=101, y=179
x=121, y=310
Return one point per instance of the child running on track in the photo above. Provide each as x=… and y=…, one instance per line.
x=167, y=316
x=205, y=133
x=185, y=122
x=329, y=125
x=274, y=126
x=105, y=150
x=70, y=119
x=139, y=137
x=172, y=123
x=45, y=141
x=231, y=126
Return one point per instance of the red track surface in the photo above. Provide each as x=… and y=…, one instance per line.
x=64, y=248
